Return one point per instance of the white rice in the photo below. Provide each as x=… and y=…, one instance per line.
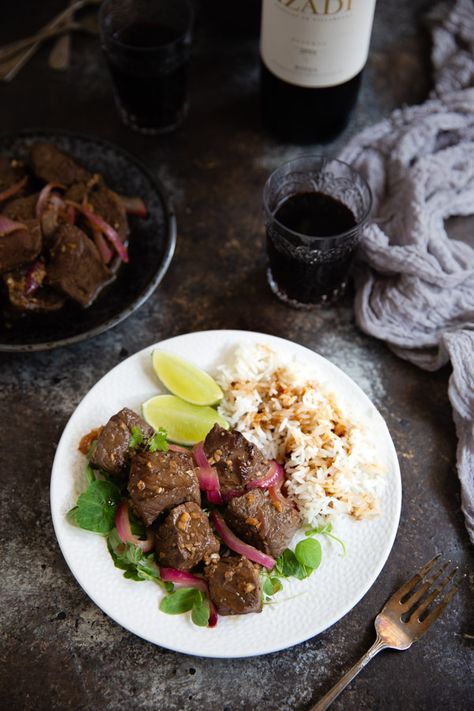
x=279, y=406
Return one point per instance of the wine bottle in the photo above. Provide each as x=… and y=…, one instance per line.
x=313, y=53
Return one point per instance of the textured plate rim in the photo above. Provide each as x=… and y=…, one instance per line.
x=170, y=241
x=57, y=516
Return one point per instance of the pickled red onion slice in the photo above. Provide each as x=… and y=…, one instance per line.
x=207, y=475
x=122, y=524
x=106, y=229
x=238, y=546
x=274, y=477
x=44, y=197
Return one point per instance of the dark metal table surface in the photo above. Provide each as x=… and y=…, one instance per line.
x=58, y=650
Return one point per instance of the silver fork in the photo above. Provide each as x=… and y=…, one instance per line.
x=404, y=619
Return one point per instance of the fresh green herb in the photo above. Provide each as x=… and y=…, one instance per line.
x=181, y=600
x=271, y=586
x=136, y=438
x=185, y=600
x=308, y=553
x=326, y=530
x=96, y=507
x=288, y=566
x=200, y=611
x=298, y=564
x=136, y=564
x=158, y=441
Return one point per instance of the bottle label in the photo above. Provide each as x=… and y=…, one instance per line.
x=316, y=43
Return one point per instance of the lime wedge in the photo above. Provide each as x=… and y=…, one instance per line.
x=185, y=380
x=183, y=422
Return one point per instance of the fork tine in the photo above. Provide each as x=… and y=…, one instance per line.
x=436, y=612
x=439, y=589
x=416, y=595
x=408, y=587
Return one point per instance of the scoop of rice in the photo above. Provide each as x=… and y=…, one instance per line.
x=285, y=412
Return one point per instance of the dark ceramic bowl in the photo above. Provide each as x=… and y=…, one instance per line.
x=151, y=246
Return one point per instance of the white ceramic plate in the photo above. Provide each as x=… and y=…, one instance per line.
x=303, y=608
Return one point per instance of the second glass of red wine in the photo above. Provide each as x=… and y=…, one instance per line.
x=315, y=208
x=148, y=48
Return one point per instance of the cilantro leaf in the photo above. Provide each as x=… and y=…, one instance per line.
x=308, y=553
x=136, y=564
x=181, y=600
x=136, y=438
x=158, y=441
x=96, y=507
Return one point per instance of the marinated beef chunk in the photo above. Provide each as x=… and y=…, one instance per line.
x=112, y=452
x=53, y=166
x=20, y=209
x=11, y=172
x=236, y=460
x=160, y=481
x=234, y=586
x=20, y=247
x=75, y=267
x=26, y=291
x=185, y=538
x=265, y=525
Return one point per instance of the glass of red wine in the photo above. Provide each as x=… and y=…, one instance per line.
x=315, y=208
x=148, y=48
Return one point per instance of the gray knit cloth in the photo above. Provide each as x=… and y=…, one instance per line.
x=415, y=285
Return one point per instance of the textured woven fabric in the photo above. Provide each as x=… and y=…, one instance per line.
x=415, y=285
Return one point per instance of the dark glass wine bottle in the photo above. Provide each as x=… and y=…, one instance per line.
x=313, y=53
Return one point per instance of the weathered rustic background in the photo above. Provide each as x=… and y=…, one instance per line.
x=58, y=651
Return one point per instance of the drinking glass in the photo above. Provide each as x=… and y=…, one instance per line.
x=315, y=208
x=148, y=47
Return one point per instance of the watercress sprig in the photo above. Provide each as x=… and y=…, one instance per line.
x=96, y=507
x=185, y=600
x=301, y=562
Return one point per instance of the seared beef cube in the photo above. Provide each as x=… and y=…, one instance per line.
x=264, y=524
x=236, y=460
x=76, y=268
x=21, y=209
x=112, y=452
x=160, y=481
x=26, y=291
x=20, y=246
x=185, y=538
x=11, y=172
x=234, y=586
x=53, y=166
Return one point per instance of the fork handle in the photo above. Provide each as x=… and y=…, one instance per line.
x=333, y=693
